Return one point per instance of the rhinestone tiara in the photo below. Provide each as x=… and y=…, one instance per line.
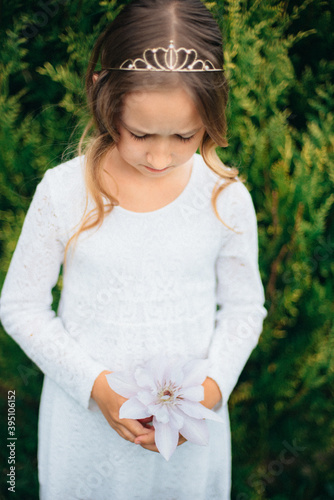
x=171, y=59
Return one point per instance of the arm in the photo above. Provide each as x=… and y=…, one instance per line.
x=240, y=297
x=27, y=315
x=26, y=301
x=239, y=291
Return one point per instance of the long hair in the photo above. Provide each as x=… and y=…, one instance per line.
x=144, y=24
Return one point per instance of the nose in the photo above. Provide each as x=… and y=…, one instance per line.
x=159, y=156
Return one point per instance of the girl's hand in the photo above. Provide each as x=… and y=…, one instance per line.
x=147, y=441
x=212, y=396
x=109, y=403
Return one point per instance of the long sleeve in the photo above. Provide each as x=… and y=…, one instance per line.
x=239, y=290
x=26, y=301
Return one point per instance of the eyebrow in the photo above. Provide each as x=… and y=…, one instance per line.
x=135, y=131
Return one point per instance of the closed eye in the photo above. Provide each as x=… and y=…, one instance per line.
x=139, y=137
x=143, y=137
x=185, y=139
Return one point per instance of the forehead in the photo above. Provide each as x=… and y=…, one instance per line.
x=160, y=111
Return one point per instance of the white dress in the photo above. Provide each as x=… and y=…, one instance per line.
x=142, y=284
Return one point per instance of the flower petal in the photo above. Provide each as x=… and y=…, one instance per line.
x=160, y=412
x=195, y=372
x=197, y=410
x=123, y=383
x=146, y=397
x=193, y=393
x=166, y=438
x=174, y=372
x=176, y=419
x=145, y=379
x=133, y=409
x=195, y=430
x=156, y=368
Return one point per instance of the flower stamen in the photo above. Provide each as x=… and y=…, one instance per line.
x=169, y=394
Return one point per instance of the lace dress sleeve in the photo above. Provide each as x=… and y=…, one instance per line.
x=26, y=301
x=240, y=294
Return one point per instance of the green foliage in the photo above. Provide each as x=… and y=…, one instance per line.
x=290, y=173
x=281, y=137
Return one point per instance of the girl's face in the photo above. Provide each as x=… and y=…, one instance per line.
x=159, y=131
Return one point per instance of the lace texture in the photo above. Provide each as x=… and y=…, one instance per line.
x=143, y=283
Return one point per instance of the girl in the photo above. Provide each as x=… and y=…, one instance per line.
x=154, y=237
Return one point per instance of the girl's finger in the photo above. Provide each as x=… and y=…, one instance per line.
x=125, y=434
x=147, y=439
x=153, y=447
x=134, y=427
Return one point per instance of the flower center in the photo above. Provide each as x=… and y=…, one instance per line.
x=169, y=394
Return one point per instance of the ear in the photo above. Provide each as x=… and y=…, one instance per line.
x=95, y=77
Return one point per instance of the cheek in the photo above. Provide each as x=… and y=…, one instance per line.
x=128, y=149
x=187, y=150
x=193, y=147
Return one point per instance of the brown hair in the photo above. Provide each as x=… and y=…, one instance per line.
x=146, y=24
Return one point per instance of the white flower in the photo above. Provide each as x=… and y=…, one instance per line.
x=170, y=392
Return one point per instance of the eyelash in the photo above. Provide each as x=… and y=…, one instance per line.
x=143, y=137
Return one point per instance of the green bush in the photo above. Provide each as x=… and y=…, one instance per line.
x=281, y=137
x=284, y=395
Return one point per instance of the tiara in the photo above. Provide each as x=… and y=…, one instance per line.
x=170, y=59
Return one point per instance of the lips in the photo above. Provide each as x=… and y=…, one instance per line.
x=155, y=169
